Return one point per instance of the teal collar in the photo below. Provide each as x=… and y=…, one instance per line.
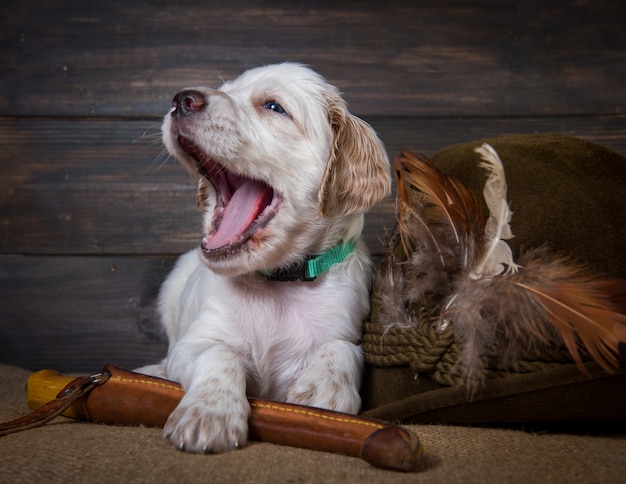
x=312, y=266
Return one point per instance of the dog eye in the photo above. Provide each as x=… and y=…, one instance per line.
x=274, y=106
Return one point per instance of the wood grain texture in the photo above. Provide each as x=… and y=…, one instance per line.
x=77, y=313
x=393, y=58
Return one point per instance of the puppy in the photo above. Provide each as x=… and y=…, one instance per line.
x=271, y=303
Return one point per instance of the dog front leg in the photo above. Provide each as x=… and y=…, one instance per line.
x=332, y=379
x=157, y=370
x=213, y=414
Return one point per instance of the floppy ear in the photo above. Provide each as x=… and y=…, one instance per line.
x=357, y=171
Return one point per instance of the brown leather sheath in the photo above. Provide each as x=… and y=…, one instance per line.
x=127, y=398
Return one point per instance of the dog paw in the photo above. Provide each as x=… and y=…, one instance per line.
x=200, y=425
x=331, y=380
x=328, y=393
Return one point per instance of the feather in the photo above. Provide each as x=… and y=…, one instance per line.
x=549, y=303
x=392, y=303
x=439, y=223
x=582, y=307
x=446, y=208
x=497, y=256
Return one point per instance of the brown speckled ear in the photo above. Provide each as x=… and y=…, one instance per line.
x=357, y=172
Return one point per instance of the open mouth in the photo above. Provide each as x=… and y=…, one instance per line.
x=243, y=207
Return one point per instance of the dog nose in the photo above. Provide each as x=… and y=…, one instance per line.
x=188, y=102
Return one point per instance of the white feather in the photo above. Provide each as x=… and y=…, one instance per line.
x=497, y=257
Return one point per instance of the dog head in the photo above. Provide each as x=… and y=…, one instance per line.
x=284, y=169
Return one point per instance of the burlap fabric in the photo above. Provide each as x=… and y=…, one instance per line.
x=69, y=451
x=566, y=193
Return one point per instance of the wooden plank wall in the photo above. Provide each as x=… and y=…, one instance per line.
x=93, y=214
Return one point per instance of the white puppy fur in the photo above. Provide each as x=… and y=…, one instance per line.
x=279, y=138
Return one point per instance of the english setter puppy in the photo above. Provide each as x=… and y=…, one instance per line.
x=272, y=302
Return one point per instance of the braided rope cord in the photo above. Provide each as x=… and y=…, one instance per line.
x=427, y=352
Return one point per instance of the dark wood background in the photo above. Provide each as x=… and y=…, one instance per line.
x=93, y=214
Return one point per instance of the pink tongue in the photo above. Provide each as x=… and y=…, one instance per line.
x=248, y=201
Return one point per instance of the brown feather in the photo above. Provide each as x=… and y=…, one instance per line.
x=584, y=308
x=444, y=200
x=425, y=232
x=549, y=303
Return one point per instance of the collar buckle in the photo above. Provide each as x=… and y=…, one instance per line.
x=295, y=272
